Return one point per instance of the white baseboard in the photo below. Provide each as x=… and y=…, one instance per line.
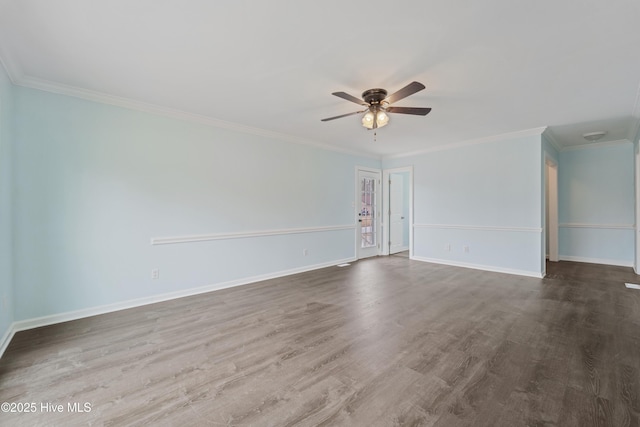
x=402, y=249
x=38, y=322
x=6, y=339
x=597, y=261
x=537, y=275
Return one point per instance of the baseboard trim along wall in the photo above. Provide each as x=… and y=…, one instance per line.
x=245, y=235
x=537, y=275
x=6, y=339
x=615, y=262
x=38, y=322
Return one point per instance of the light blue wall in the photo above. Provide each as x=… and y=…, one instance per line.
x=475, y=196
x=6, y=257
x=94, y=183
x=596, y=198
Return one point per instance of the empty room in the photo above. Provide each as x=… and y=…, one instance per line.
x=414, y=213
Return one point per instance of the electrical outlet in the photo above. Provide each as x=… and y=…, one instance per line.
x=447, y=247
x=305, y=252
x=465, y=248
x=155, y=274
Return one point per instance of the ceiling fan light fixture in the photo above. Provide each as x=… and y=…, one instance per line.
x=378, y=105
x=594, y=136
x=383, y=119
x=375, y=118
x=367, y=120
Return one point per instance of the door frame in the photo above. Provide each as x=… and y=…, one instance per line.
x=552, y=226
x=385, y=207
x=356, y=204
x=637, y=230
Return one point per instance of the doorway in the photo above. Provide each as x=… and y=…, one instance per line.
x=551, y=211
x=368, y=216
x=637, y=263
x=398, y=209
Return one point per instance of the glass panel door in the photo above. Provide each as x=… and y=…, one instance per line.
x=367, y=205
x=368, y=212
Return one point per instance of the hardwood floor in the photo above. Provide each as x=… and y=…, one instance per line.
x=384, y=342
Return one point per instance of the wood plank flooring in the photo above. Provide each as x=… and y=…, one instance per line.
x=384, y=342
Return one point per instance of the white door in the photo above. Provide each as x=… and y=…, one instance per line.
x=552, y=226
x=396, y=219
x=368, y=206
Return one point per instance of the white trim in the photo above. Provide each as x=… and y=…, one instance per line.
x=493, y=269
x=493, y=138
x=480, y=227
x=598, y=226
x=551, y=187
x=597, y=144
x=368, y=169
x=245, y=235
x=38, y=322
x=636, y=157
x=104, y=98
x=552, y=139
x=636, y=105
x=634, y=128
x=597, y=261
x=14, y=72
x=635, y=114
x=6, y=339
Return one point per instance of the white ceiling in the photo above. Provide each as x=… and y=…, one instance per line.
x=490, y=67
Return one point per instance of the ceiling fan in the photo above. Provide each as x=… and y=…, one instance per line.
x=379, y=104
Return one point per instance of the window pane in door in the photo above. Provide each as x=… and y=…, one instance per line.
x=367, y=212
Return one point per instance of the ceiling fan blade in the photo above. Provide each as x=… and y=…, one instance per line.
x=343, y=115
x=409, y=110
x=348, y=97
x=409, y=89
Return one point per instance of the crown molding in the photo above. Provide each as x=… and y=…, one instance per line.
x=552, y=139
x=636, y=105
x=117, y=101
x=10, y=67
x=484, y=140
x=635, y=114
x=634, y=130
x=597, y=144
